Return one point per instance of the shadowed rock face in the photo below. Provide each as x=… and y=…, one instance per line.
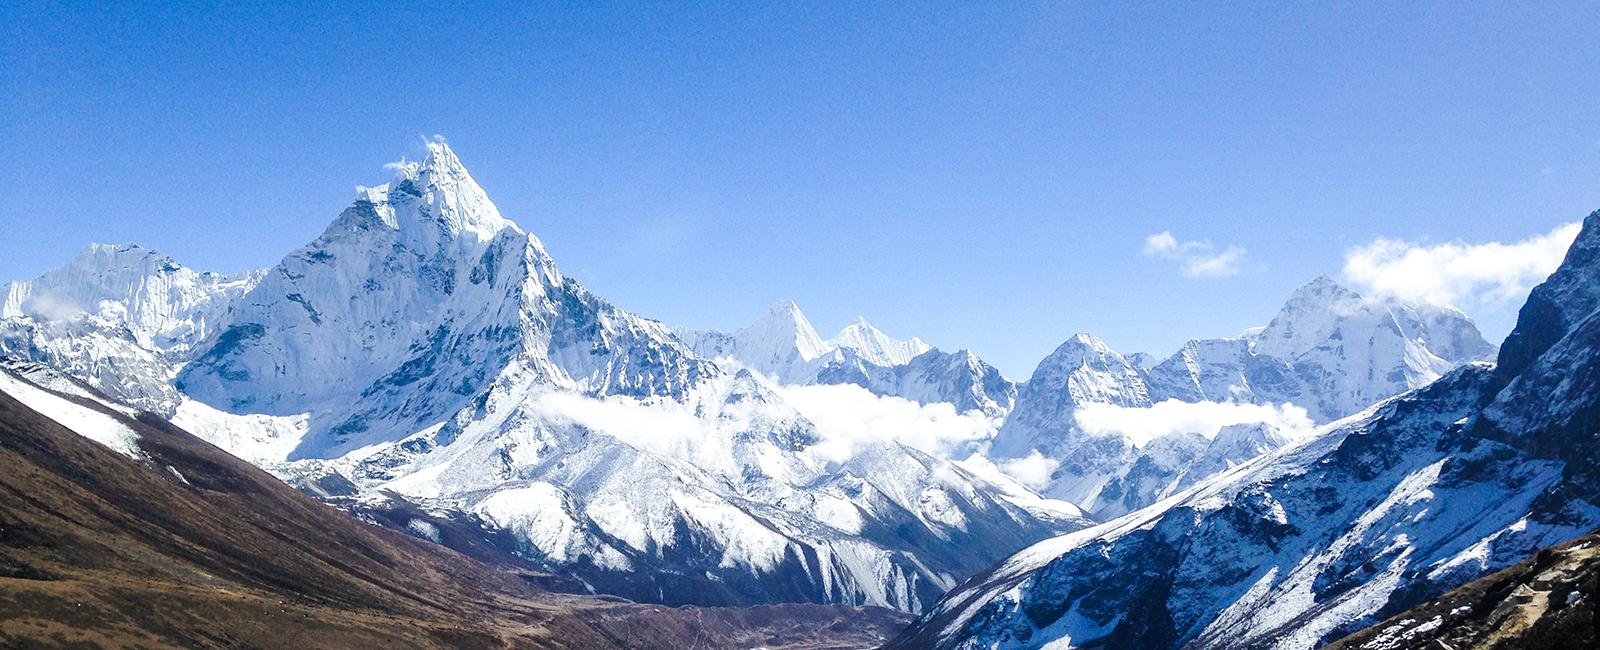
x=184, y=545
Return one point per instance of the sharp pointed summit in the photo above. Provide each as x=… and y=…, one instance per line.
x=781, y=345
x=422, y=291
x=434, y=196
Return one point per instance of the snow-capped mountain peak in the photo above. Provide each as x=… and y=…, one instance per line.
x=1307, y=318
x=876, y=347
x=786, y=326
x=163, y=304
x=1082, y=347
x=782, y=344
x=415, y=299
x=1329, y=350
x=1082, y=370
x=442, y=183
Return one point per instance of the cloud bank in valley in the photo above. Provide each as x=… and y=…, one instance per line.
x=1142, y=425
x=850, y=418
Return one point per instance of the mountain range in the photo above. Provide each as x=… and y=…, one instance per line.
x=1329, y=352
x=1371, y=515
x=426, y=347
x=784, y=347
x=425, y=366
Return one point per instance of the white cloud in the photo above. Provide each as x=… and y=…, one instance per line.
x=668, y=427
x=1220, y=265
x=1032, y=470
x=1196, y=259
x=1465, y=275
x=850, y=418
x=1162, y=244
x=1141, y=425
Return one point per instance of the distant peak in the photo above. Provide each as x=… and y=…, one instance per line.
x=876, y=346
x=784, y=325
x=860, y=325
x=112, y=249
x=786, y=314
x=1081, y=344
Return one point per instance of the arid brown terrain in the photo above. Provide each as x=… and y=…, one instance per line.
x=1546, y=602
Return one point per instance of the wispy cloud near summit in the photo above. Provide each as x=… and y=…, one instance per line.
x=1486, y=274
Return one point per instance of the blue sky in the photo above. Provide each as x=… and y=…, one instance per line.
x=983, y=175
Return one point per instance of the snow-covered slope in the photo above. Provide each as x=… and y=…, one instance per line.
x=716, y=500
x=1375, y=513
x=783, y=345
x=1171, y=463
x=1328, y=350
x=48, y=393
x=428, y=347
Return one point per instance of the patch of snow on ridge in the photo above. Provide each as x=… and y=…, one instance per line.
x=1008, y=479
x=80, y=419
x=539, y=514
